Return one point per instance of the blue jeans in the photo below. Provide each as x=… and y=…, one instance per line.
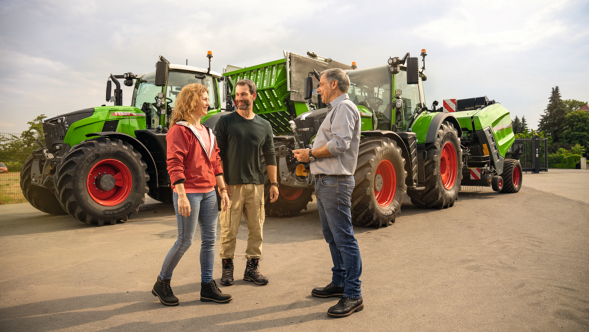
x=334, y=194
x=204, y=212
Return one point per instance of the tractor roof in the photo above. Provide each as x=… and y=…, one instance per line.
x=195, y=69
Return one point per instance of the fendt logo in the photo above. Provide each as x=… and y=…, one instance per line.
x=127, y=114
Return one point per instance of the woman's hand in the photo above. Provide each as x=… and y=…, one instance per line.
x=183, y=205
x=225, y=202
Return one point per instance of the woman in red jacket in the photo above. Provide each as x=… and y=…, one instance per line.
x=194, y=166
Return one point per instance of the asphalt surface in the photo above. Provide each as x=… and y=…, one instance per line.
x=493, y=262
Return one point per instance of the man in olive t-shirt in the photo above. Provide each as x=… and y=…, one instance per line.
x=241, y=136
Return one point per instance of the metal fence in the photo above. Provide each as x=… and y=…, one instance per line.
x=531, y=152
x=10, y=188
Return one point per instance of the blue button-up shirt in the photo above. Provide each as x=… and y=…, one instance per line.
x=340, y=132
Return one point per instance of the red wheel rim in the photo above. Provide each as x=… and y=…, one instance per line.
x=448, y=165
x=516, y=176
x=123, y=182
x=291, y=194
x=500, y=183
x=385, y=183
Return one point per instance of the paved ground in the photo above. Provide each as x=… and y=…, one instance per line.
x=505, y=262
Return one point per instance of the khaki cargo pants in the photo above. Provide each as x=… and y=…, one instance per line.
x=246, y=199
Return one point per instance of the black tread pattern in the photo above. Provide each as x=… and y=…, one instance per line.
x=41, y=198
x=283, y=207
x=365, y=209
x=508, y=166
x=71, y=181
x=435, y=195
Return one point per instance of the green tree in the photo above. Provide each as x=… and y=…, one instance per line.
x=517, y=126
x=572, y=105
x=524, y=125
x=577, y=128
x=15, y=150
x=552, y=121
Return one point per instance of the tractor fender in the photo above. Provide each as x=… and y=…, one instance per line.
x=410, y=156
x=212, y=120
x=137, y=145
x=436, y=123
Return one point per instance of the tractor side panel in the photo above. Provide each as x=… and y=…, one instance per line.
x=421, y=126
x=366, y=118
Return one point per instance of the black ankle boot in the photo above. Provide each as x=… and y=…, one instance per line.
x=210, y=292
x=227, y=278
x=163, y=291
x=346, y=307
x=252, y=273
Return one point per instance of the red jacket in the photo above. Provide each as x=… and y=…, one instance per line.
x=187, y=158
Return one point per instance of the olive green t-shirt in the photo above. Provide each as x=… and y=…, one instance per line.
x=242, y=143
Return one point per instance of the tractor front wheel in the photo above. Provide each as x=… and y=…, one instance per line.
x=443, y=171
x=380, y=183
x=102, y=181
x=290, y=202
x=43, y=199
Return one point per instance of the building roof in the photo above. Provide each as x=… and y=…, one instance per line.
x=584, y=108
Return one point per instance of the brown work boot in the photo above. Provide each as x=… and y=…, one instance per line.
x=227, y=278
x=252, y=273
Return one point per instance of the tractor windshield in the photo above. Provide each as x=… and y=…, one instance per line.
x=410, y=96
x=146, y=91
x=371, y=87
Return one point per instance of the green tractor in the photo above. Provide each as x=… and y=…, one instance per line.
x=405, y=147
x=98, y=163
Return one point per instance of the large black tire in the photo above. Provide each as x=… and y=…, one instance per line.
x=41, y=198
x=163, y=195
x=512, y=176
x=380, y=183
x=441, y=188
x=111, y=156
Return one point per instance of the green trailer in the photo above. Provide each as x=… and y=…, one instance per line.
x=405, y=147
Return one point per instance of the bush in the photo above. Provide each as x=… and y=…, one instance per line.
x=566, y=158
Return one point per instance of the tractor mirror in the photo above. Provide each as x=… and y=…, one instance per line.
x=108, y=90
x=308, y=88
x=161, y=72
x=412, y=71
x=200, y=76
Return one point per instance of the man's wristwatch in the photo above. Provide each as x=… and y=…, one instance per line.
x=275, y=184
x=311, y=158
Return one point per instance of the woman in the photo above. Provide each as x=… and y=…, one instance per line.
x=194, y=166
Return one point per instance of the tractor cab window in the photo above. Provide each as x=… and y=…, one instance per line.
x=410, y=96
x=371, y=87
x=144, y=97
x=178, y=79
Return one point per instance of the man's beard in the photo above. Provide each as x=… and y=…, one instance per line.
x=243, y=105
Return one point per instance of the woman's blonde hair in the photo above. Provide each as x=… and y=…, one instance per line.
x=189, y=98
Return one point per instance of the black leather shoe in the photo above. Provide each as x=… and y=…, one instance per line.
x=211, y=292
x=328, y=291
x=163, y=291
x=346, y=307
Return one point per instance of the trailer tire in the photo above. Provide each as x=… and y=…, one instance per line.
x=380, y=183
x=117, y=160
x=441, y=187
x=41, y=198
x=512, y=176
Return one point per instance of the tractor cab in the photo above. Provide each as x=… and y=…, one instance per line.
x=156, y=101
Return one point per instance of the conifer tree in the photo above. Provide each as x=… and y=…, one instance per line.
x=516, y=125
x=552, y=121
x=524, y=125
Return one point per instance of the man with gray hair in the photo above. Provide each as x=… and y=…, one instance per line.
x=333, y=161
x=240, y=137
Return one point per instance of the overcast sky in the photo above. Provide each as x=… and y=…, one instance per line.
x=56, y=55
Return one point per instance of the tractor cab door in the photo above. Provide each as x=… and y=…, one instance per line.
x=144, y=96
x=412, y=100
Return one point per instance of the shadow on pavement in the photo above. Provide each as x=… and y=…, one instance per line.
x=77, y=311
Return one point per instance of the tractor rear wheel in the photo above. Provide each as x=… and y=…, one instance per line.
x=512, y=176
x=380, y=183
x=41, y=198
x=103, y=180
x=443, y=171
